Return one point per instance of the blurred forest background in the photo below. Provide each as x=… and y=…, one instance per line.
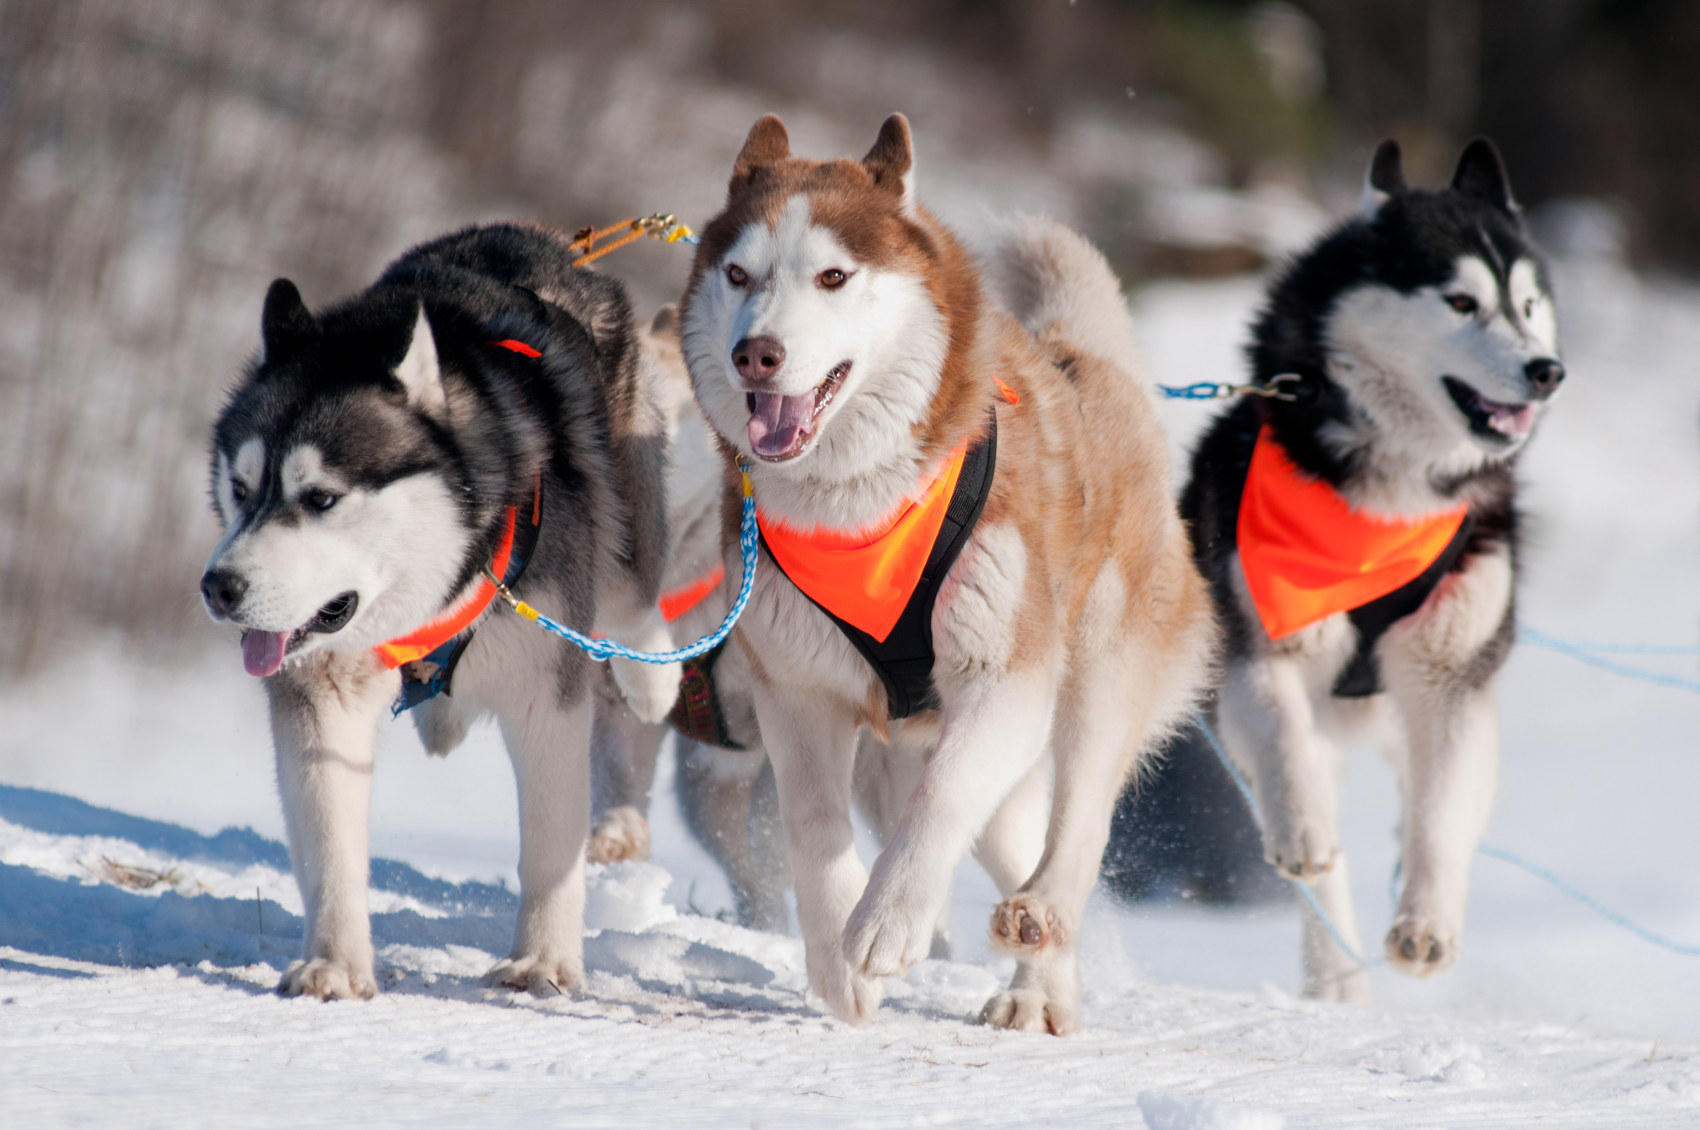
x=162, y=160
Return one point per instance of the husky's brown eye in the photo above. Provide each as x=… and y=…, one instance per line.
x=238, y=489
x=832, y=278
x=320, y=500
x=736, y=275
x=1462, y=303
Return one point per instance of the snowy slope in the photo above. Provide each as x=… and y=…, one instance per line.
x=1552, y=1018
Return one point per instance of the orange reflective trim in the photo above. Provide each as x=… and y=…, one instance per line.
x=1308, y=555
x=517, y=346
x=865, y=579
x=1006, y=392
x=417, y=645
x=680, y=601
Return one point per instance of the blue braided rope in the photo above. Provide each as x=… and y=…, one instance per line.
x=1203, y=390
x=1586, y=654
x=601, y=650
x=1587, y=900
x=1305, y=893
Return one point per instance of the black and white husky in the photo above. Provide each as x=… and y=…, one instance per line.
x=482, y=403
x=1418, y=346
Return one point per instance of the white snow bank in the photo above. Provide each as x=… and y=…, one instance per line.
x=1177, y=1112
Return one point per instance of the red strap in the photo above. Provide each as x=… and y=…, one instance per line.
x=417, y=645
x=517, y=346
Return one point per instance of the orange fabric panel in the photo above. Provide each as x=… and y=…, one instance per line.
x=680, y=601
x=417, y=645
x=866, y=579
x=1307, y=554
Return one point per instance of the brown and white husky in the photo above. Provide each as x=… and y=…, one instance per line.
x=843, y=344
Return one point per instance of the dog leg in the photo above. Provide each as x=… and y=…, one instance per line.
x=650, y=689
x=1431, y=664
x=549, y=744
x=1269, y=727
x=993, y=733
x=1448, y=786
x=1330, y=975
x=623, y=750
x=1099, y=731
x=324, y=723
x=717, y=796
x=813, y=752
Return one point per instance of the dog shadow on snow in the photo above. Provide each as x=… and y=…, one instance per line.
x=97, y=920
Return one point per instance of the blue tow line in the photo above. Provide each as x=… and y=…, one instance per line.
x=1588, y=653
x=601, y=649
x=1501, y=854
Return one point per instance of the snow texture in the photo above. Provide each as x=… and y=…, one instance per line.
x=143, y=927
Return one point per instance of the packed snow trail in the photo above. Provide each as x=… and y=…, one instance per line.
x=136, y=989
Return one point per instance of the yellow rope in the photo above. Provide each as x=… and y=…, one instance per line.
x=659, y=226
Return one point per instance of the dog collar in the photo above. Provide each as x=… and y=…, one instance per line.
x=1308, y=555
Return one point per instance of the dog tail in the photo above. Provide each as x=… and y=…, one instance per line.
x=1059, y=287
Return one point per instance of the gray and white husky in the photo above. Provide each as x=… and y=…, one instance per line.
x=1419, y=347
x=375, y=457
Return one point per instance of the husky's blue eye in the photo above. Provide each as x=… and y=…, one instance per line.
x=320, y=500
x=1462, y=303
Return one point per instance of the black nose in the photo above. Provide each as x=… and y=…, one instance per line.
x=758, y=358
x=223, y=590
x=1545, y=375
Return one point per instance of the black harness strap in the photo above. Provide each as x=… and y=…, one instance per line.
x=904, y=659
x=1362, y=676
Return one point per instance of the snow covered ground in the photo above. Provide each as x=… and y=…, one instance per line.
x=139, y=942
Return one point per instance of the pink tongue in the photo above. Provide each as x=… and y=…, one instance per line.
x=262, y=652
x=777, y=422
x=1512, y=421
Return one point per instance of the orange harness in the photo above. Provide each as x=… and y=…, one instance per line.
x=1308, y=555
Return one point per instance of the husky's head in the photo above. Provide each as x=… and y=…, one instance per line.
x=1429, y=319
x=339, y=532
x=815, y=324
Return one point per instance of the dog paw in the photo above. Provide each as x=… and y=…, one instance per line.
x=1421, y=946
x=650, y=689
x=622, y=833
x=328, y=980
x=1025, y=926
x=885, y=937
x=1301, y=849
x=1030, y=1010
x=851, y=996
x=539, y=975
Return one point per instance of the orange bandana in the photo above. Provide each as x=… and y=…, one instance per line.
x=1307, y=554
x=866, y=579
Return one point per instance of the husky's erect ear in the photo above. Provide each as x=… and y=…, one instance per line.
x=768, y=144
x=1385, y=178
x=419, y=372
x=892, y=159
x=1481, y=176
x=285, y=322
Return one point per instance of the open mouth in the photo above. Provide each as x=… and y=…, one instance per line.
x=263, y=652
x=782, y=426
x=1489, y=419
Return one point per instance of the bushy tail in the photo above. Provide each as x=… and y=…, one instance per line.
x=1059, y=287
